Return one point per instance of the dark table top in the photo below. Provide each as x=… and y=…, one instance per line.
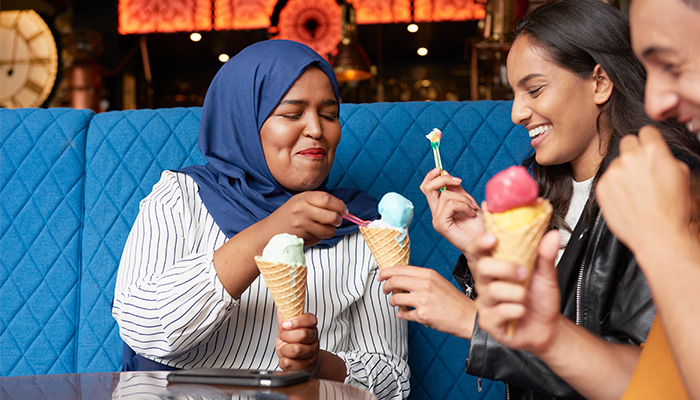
x=154, y=385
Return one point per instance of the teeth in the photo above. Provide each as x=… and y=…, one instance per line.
x=540, y=129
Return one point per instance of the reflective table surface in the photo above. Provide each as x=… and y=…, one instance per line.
x=154, y=385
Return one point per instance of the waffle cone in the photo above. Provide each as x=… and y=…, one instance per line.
x=287, y=285
x=519, y=245
x=386, y=249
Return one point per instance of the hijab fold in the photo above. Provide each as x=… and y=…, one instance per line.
x=236, y=184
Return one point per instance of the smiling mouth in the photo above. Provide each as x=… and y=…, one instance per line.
x=314, y=152
x=539, y=130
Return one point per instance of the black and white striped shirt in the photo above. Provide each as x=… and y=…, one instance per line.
x=172, y=308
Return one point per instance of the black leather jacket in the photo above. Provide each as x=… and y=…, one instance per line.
x=602, y=289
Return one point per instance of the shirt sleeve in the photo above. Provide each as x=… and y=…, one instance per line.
x=378, y=340
x=168, y=298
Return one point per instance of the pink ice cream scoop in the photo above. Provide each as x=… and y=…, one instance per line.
x=513, y=187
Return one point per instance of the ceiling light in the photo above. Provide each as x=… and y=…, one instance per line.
x=223, y=57
x=195, y=36
x=422, y=51
x=413, y=28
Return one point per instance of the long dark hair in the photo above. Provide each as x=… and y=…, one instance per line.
x=577, y=35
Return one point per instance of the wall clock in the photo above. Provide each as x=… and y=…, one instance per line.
x=28, y=59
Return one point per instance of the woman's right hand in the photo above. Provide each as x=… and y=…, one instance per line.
x=312, y=216
x=504, y=298
x=456, y=215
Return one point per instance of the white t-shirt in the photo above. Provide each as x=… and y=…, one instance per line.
x=579, y=198
x=172, y=308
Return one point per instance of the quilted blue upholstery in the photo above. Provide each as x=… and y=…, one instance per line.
x=125, y=152
x=41, y=200
x=70, y=195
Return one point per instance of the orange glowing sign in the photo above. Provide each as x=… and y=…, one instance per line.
x=448, y=10
x=149, y=16
x=382, y=11
x=146, y=16
x=242, y=14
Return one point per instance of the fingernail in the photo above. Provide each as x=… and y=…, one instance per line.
x=522, y=273
x=286, y=324
x=457, y=180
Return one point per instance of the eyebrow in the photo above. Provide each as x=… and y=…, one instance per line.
x=527, y=78
x=325, y=102
x=652, y=51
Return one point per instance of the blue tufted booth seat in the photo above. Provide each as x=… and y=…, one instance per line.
x=71, y=181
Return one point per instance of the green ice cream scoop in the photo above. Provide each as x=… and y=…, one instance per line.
x=286, y=249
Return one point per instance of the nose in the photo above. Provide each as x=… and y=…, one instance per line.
x=313, y=127
x=660, y=100
x=520, y=113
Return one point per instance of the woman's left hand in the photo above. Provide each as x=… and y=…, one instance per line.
x=297, y=343
x=436, y=302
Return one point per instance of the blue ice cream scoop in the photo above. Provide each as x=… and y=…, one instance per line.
x=396, y=210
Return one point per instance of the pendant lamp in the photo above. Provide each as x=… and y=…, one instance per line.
x=351, y=64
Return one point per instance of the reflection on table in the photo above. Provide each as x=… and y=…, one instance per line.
x=154, y=385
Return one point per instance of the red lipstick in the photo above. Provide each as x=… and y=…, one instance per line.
x=313, y=152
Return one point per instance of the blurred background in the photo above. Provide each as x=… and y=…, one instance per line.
x=128, y=54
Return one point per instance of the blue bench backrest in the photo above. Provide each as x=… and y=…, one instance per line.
x=70, y=194
x=42, y=159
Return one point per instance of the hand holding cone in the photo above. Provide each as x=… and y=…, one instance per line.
x=519, y=246
x=517, y=217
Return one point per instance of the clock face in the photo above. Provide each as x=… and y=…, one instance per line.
x=28, y=59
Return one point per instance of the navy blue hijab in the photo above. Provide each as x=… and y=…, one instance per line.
x=236, y=185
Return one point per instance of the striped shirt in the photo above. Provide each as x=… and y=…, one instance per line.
x=172, y=308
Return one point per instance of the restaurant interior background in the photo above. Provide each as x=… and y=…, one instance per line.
x=147, y=57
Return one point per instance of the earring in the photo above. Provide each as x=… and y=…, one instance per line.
x=597, y=76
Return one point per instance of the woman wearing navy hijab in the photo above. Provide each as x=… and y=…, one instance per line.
x=188, y=292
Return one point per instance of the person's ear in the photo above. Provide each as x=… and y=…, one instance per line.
x=603, y=86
